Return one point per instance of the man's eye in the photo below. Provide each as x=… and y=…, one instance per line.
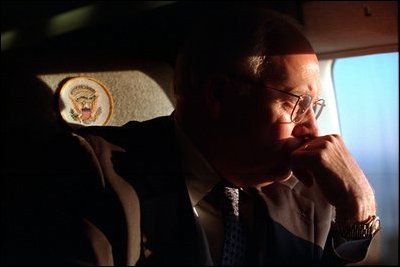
x=289, y=104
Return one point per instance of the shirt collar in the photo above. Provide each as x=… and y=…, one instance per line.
x=291, y=182
x=199, y=175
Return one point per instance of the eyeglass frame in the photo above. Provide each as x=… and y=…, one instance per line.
x=298, y=118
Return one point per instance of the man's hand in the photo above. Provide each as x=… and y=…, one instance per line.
x=327, y=161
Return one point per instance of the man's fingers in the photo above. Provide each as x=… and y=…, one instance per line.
x=303, y=161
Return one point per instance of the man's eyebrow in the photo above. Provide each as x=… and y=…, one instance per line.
x=292, y=90
x=300, y=91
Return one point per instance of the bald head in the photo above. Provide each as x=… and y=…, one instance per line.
x=236, y=41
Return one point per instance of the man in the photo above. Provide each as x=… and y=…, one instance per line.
x=247, y=87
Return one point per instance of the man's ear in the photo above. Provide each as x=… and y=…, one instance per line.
x=217, y=91
x=218, y=88
x=216, y=95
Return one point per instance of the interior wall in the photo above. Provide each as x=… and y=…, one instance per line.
x=140, y=93
x=140, y=89
x=350, y=28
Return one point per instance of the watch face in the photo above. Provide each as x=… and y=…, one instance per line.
x=376, y=226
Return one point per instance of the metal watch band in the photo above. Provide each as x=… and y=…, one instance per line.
x=355, y=231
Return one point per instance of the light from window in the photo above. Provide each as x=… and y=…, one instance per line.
x=367, y=96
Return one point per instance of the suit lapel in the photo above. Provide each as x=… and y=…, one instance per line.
x=285, y=232
x=296, y=217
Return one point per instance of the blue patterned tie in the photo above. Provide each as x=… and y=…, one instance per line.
x=234, y=250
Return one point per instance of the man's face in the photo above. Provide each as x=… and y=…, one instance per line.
x=258, y=126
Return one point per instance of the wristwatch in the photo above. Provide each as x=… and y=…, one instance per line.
x=356, y=231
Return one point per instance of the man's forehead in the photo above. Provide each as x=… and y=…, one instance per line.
x=284, y=67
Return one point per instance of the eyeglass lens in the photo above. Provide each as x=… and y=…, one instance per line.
x=303, y=103
x=318, y=106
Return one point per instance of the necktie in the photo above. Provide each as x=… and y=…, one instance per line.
x=235, y=241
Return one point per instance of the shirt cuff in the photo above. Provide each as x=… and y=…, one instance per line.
x=351, y=250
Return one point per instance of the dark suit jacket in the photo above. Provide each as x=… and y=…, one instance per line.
x=134, y=207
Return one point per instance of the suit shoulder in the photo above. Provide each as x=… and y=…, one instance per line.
x=128, y=134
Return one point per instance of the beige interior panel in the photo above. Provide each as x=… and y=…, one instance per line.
x=348, y=28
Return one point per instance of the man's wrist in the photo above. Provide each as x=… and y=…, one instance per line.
x=356, y=209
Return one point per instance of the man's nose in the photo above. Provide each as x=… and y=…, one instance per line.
x=308, y=126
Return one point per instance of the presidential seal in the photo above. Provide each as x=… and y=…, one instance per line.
x=85, y=101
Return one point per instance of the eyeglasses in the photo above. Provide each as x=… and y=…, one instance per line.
x=303, y=103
